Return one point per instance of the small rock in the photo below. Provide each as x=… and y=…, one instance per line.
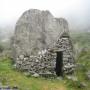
x=73, y=78
x=0, y=88
x=37, y=60
x=14, y=66
x=82, y=85
x=15, y=88
x=5, y=88
x=59, y=78
x=47, y=72
x=17, y=59
x=26, y=58
x=21, y=56
x=0, y=83
x=88, y=75
x=27, y=74
x=35, y=75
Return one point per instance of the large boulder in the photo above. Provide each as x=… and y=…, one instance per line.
x=36, y=30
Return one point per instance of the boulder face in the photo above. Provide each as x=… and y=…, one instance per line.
x=37, y=30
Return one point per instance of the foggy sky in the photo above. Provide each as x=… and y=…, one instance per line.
x=75, y=11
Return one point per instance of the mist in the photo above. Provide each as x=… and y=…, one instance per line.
x=76, y=12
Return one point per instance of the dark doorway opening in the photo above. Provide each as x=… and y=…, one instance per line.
x=59, y=64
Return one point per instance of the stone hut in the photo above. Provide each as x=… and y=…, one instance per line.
x=42, y=44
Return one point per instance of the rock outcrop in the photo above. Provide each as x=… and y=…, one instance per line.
x=37, y=30
x=37, y=39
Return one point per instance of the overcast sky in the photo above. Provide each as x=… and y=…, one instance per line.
x=77, y=12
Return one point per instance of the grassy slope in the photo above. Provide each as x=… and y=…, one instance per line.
x=84, y=65
x=82, y=38
x=84, y=60
x=8, y=76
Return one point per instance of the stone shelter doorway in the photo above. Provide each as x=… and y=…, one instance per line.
x=59, y=63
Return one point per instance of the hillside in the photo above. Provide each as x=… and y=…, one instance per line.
x=9, y=76
x=82, y=38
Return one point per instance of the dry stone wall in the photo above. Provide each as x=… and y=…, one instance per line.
x=65, y=44
x=44, y=63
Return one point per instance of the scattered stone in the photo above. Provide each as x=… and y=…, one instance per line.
x=73, y=78
x=15, y=88
x=26, y=58
x=7, y=87
x=21, y=57
x=27, y=74
x=82, y=85
x=88, y=75
x=37, y=60
x=59, y=78
x=0, y=84
x=35, y=75
x=14, y=66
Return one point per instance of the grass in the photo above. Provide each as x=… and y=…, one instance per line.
x=82, y=38
x=84, y=62
x=11, y=77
